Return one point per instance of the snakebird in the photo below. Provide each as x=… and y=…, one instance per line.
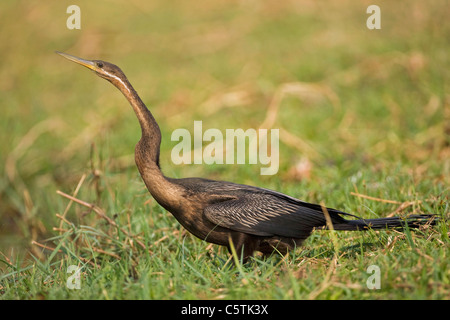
x=240, y=217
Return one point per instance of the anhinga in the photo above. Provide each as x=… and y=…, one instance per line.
x=250, y=218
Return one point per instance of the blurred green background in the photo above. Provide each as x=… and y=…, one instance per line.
x=354, y=106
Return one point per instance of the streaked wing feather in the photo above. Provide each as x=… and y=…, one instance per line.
x=264, y=214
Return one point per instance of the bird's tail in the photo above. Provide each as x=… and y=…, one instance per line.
x=412, y=221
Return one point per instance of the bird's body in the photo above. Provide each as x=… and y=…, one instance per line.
x=224, y=213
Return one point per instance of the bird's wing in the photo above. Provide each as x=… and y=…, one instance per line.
x=266, y=214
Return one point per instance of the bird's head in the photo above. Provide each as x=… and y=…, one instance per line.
x=103, y=69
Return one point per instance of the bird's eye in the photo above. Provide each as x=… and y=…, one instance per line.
x=99, y=64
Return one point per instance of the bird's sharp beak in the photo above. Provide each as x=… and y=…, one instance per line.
x=87, y=63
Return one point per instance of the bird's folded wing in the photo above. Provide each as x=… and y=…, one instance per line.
x=265, y=215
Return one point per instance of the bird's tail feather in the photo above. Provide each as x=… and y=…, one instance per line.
x=413, y=221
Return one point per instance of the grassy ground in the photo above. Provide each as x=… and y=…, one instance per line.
x=364, y=127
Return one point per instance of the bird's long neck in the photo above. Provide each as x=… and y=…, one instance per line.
x=147, y=152
x=151, y=134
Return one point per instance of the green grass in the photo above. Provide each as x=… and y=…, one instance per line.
x=373, y=121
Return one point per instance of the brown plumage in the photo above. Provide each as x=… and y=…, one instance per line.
x=220, y=212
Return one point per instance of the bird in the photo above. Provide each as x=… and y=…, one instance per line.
x=242, y=218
